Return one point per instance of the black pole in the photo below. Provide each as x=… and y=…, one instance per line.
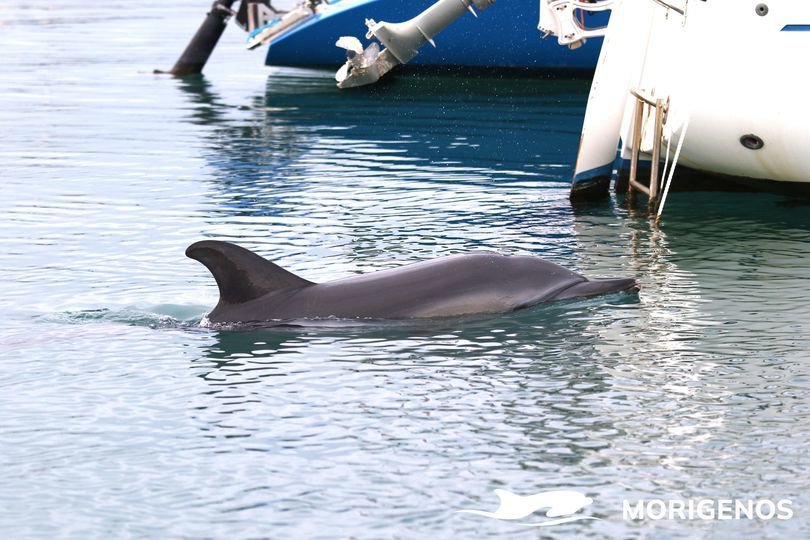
x=202, y=44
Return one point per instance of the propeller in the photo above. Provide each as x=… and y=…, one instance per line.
x=361, y=65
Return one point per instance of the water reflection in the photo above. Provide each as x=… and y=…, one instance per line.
x=519, y=372
x=506, y=121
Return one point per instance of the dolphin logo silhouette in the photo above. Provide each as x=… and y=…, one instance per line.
x=560, y=504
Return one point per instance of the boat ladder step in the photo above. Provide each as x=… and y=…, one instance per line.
x=661, y=107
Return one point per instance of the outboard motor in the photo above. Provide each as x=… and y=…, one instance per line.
x=402, y=41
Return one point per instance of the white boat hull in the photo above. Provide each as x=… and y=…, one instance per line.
x=736, y=75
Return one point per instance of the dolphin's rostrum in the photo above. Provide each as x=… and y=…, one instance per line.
x=253, y=289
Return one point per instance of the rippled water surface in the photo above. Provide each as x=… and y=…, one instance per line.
x=121, y=417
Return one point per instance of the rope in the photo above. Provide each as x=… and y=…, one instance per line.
x=672, y=170
x=666, y=158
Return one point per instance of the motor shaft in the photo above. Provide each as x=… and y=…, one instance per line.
x=201, y=46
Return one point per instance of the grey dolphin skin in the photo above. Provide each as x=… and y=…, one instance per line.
x=253, y=289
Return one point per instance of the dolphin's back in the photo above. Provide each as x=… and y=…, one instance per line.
x=254, y=289
x=449, y=286
x=454, y=285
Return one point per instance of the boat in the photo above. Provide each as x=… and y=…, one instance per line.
x=715, y=88
x=505, y=35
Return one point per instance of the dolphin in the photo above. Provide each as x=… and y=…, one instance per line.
x=253, y=289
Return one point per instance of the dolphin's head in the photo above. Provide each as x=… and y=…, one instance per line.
x=598, y=287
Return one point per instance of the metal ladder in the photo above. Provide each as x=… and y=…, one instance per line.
x=661, y=107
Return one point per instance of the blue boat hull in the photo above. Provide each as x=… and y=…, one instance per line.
x=505, y=36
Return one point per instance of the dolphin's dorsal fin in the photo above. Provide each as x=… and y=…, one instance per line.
x=242, y=275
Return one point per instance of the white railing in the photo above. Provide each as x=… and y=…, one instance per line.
x=561, y=18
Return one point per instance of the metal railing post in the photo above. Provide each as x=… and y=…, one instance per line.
x=636, y=139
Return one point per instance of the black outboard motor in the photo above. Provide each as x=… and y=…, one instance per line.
x=252, y=16
x=202, y=44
